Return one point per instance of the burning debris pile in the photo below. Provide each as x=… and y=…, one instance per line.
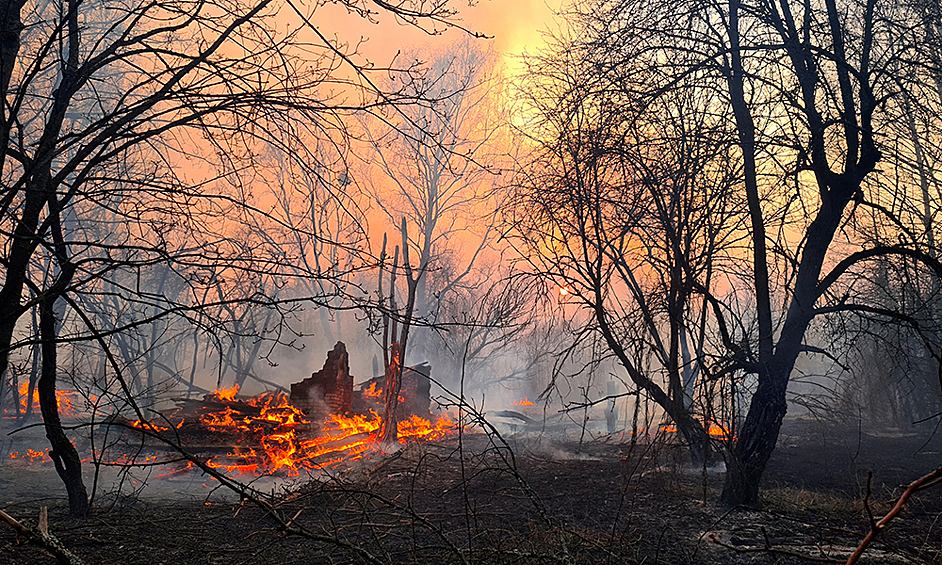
x=323, y=422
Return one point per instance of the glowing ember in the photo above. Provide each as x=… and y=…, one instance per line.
x=524, y=402
x=64, y=400
x=32, y=455
x=564, y=291
x=152, y=426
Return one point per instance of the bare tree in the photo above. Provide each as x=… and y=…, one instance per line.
x=482, y=329
x=397, y=322
x=140, y=120
x=438, y=167
x=628, y=210
x=895, y=379
x=818, y=95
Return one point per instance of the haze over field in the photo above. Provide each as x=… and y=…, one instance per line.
x=279, y=238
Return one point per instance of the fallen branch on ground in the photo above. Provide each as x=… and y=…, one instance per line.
x=40, y=536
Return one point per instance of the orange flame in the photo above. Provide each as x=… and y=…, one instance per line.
x=272, y=436
x=227, y=394
x=524, y=402
x=283, y=442
x=64, y=400
x=373, y=391
x=376, y=393
x=714, y=430
x=152, y=426
x=30, y=454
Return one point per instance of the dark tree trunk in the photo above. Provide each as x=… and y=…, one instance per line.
x=11, y=26
x=695, y=435
x=63, y=453
x=757, y=439
x=36, y=354
x=396, y=341
x=671, y=400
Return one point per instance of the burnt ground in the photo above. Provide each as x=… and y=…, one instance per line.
x=547, y=502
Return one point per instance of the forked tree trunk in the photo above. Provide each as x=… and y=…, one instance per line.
x=63, y=453
x=396, y=336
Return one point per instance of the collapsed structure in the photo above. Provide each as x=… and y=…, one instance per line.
x=323, y=421
x=330, y=390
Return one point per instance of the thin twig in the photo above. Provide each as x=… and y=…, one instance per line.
x=921, y=483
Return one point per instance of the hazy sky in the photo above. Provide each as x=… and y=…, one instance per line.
x=514, y=25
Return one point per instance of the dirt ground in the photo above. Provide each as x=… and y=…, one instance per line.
x=543, y=501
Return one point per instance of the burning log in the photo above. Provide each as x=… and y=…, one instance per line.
x=328, y=391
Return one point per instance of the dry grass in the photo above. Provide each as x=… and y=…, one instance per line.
x=790, y=500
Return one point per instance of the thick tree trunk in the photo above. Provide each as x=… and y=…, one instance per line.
x=756, y=441
x=63, y=453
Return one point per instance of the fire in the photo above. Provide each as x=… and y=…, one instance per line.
x=373, y=391
x=32, y=455
x=718, y=432
x=714, y=430
x=524, y=402
x=565, y=291
x=284, y=440
x=152, y=426
x=420, y=428
x=268, y=435
x=227, y=394
x=64, y=400
x=376, y=393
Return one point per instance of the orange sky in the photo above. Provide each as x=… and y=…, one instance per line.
x=514, y=25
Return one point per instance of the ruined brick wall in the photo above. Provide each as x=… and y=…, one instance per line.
x=416, y=389
x=328, y=391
